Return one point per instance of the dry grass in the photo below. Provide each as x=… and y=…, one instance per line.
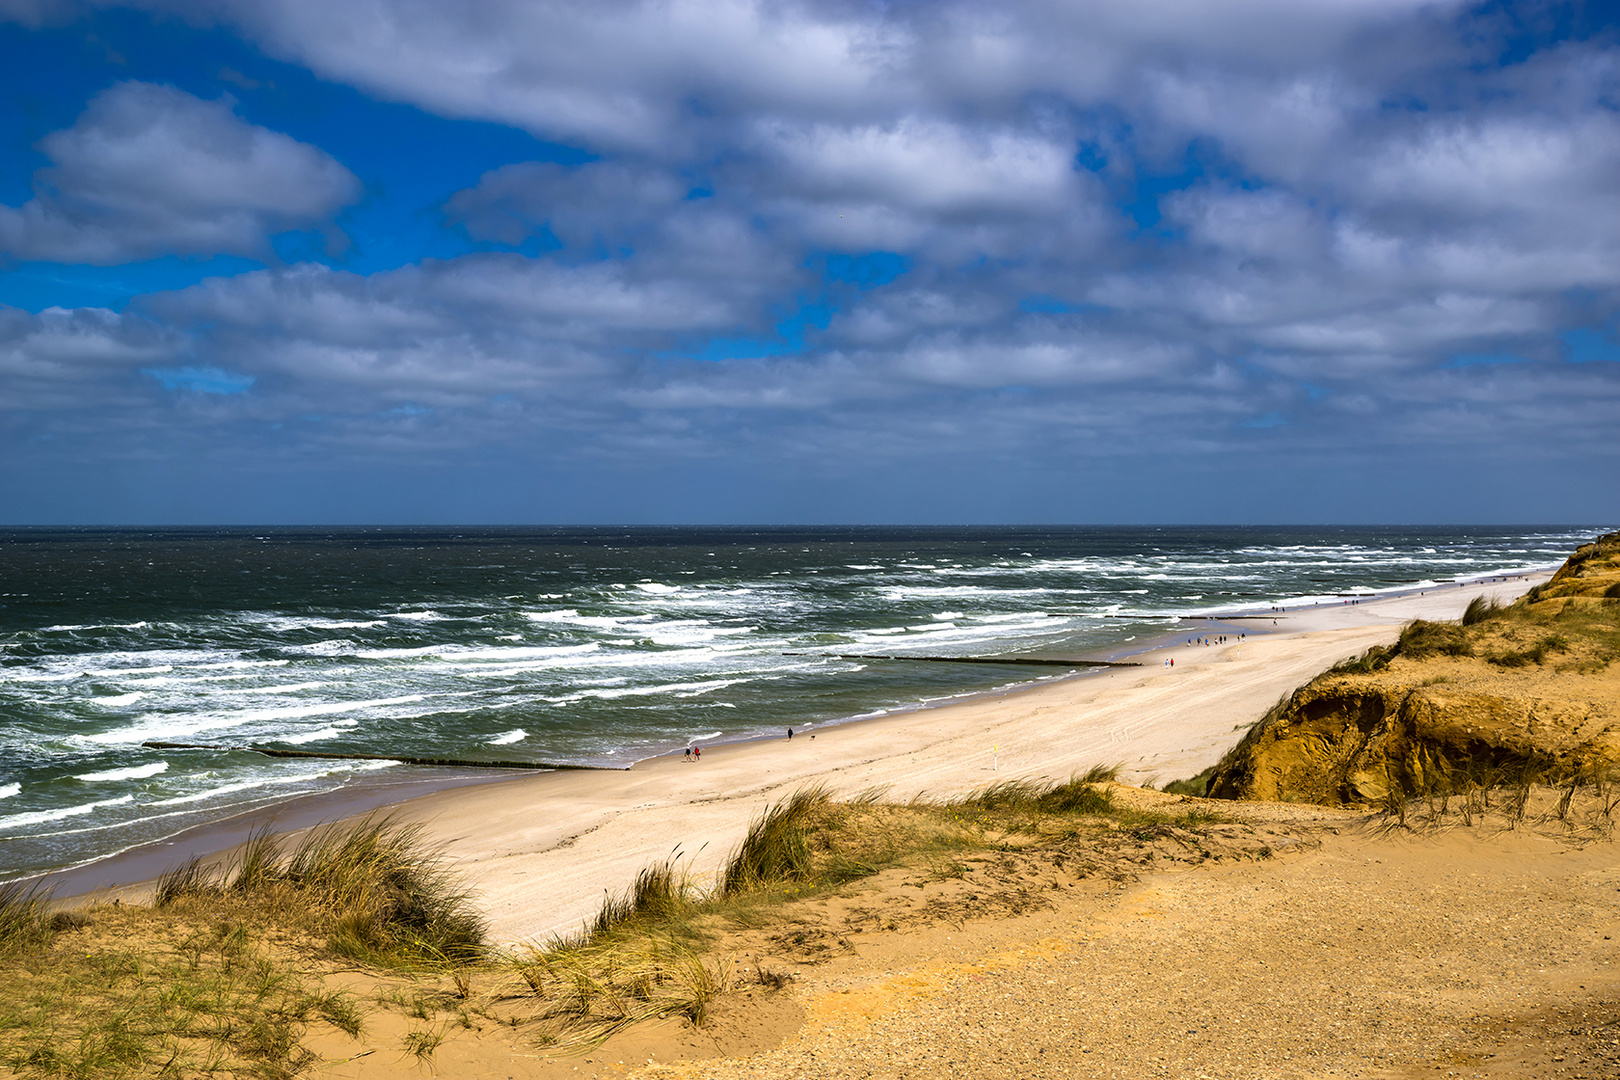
x=369, y=887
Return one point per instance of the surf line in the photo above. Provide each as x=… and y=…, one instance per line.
x=458, y=763
x=1017, y=660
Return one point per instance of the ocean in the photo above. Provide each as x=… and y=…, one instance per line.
x=587, y=646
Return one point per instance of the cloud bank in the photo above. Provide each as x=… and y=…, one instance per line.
x=824, y=239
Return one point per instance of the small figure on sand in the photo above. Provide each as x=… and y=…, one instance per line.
x=790, y=734
x=697, y=753
x=688, y=753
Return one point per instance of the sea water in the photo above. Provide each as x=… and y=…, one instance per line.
x=571, y=645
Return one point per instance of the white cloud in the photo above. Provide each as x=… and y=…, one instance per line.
x=151, y=170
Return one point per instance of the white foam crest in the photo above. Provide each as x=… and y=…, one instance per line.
x=417, y=616
x=39, y=817
x=248, y=785
x=506, y=654
x=675, y=689
x=8, y=790
x=657, y=588
x=118, y=701
x=328, y=732
x=38, y=676
x=288, y=688
x=285, y=624
x=134, y=772
x=507, y=738
x=560, y=615
x=162, y=727
x=242, y=664
x=113, y=673
x=142, y=625
x=863, y=566
x=183, y=680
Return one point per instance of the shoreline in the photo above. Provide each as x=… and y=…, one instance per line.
x=565, y=837
x=539, y=852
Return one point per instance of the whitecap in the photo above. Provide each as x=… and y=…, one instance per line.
x=331, y=731
x=134, y=772
x=418, y=616
x=506, y=738
x=120, y=700
x=657, y=587
x=38, y=817
x=8, y=790
x=560, y=615
x=165, y=727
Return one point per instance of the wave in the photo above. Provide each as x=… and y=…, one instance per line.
x=331, y=731
x=271, y=781
x=162, y=727
x=134, y=772
x=118, y=701
x=40, y=817
x=506, y=738
x=8, y=790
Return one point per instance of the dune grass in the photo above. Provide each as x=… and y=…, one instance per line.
x=216, y=977
x=370, y=887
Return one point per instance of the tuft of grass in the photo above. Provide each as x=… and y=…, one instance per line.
x=1421, y=638
x=1480, y=609
x=661, y=893
x=25, y=918
x=1080, y=794
x=1374, y=659
x=777, y=845
x=1197, y=786
x=389, y=899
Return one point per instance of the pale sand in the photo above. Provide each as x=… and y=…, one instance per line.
x=541, y=851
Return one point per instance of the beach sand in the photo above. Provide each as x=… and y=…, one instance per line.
x=540, y=852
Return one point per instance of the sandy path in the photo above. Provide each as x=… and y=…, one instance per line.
x=540, y=851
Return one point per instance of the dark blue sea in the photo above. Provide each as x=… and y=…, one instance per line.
x=570, y=645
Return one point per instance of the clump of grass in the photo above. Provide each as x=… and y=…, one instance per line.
x=1421, y=638
x=25, y=917
x=391, y=898
x=1481, y=609
x=1374, y=659
x=777, y=845
x=371, y=886
x=1195, y=786
x=1080, y=794
x=661, y=893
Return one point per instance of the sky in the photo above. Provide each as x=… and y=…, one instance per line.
x=829, y=261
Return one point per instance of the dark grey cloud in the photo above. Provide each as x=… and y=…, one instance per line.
x=151, y=170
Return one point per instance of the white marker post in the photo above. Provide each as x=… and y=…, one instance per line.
x=995, y=758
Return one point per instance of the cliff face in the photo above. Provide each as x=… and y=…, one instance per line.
x=1532, y=685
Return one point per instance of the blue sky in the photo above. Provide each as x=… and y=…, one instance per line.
x=739, y=261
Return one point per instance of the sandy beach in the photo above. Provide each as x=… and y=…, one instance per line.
x=541, y=851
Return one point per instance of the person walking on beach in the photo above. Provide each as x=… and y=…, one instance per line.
x=790, y=734
x=688, y=753
x=697, y=753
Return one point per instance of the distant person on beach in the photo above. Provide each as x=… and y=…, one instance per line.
x=790, y=734
x=697, y=753
x=688, y=753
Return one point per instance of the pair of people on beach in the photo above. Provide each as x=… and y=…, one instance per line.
x=694, y=753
